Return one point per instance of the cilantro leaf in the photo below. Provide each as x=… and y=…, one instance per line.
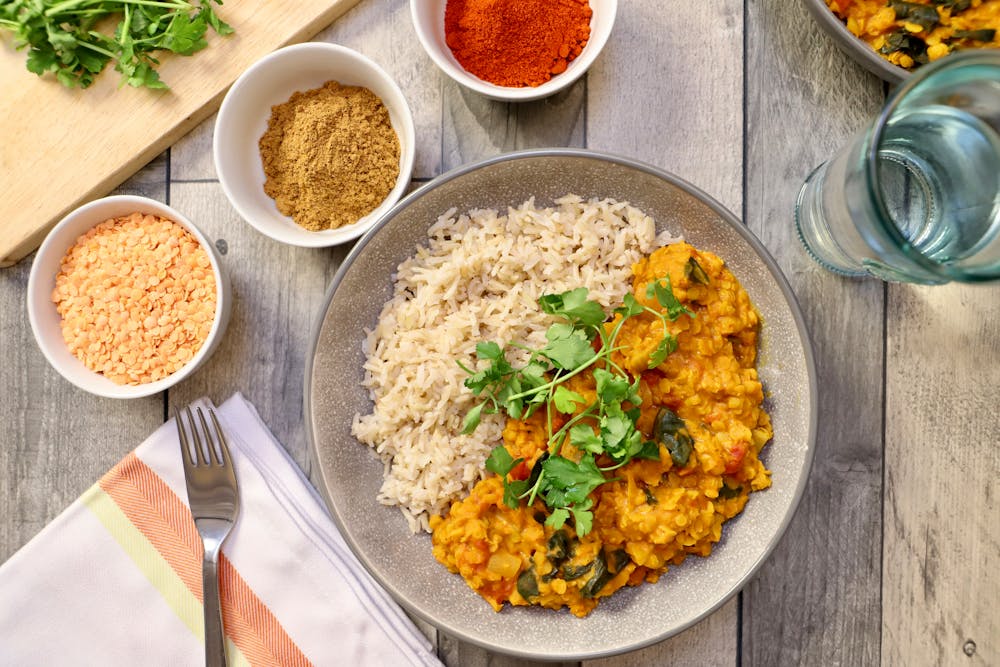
x=568, y=347
x=583, y=518
x=566, y=401
x=185, y=34
x=574, y=306
x=667, y=345
x=583, y=438
x=649, y=450
x=615, y=430
x=583, y=342
x=500, y=461
x=472, y=418
x=611, y=387
x=565, y=482
x=558, y=518
x=512, y=492
x=630, y=306
x=489, y=350
x=664, y=294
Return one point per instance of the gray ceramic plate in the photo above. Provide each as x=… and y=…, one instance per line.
x=854, y=47
x=349, y=474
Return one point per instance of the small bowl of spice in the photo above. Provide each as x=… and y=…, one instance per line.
x=313, y=143
x=514, y=50
x=126, y=297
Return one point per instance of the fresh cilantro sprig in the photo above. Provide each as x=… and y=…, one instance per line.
x=604, y=427
x=61, y=36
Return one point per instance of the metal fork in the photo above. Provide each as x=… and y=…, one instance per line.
x=215, y=501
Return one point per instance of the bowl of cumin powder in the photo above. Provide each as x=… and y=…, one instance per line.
x=313, y=143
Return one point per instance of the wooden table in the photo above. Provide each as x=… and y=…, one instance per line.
x=893, y=556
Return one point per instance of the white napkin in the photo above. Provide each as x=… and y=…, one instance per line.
x=116, y=578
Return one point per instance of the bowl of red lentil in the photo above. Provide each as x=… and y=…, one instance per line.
x=313, y=143
x=126, y=297
x=513, y=50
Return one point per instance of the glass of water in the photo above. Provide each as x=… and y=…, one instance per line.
x=915, y=197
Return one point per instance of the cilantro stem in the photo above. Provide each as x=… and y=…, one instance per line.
x=98, y=49
x=551, y=384
x=71, y=4
x=570, y=423
x=533, y=491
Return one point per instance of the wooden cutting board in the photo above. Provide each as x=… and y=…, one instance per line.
x=61, y=147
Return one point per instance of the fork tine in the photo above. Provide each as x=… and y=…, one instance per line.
x=212, y=454
x=223, y=445
x=198, y=446
x=185, y=444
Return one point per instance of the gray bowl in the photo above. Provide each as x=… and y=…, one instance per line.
x=349, y=474
x=856, y=48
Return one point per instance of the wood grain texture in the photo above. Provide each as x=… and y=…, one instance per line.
x=710, y=643
x=816, y=600
x=886, y=562
x=942, y=546
x=117, y=130
x=653, y=98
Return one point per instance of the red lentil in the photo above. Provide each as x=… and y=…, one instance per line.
x=137, y=298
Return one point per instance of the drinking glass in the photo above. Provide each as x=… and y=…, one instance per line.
x=915, y=196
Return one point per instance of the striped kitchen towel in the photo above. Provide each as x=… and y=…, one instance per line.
x=116, y=578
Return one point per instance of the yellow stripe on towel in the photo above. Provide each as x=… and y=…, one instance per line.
x=151, y=520
x=147, y=559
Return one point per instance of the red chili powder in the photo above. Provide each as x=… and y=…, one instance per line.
x=516, y=43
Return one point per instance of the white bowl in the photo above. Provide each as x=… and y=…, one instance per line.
x=244, y=115
x=46, y=321
x=428, y=20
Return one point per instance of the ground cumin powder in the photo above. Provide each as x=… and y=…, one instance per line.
x=330, y=155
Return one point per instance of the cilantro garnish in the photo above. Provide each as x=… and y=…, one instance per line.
x=61, y=38
x=604, y=428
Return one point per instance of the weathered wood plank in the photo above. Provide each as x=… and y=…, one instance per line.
x=942, y=546
x=668, y=90
x=476, y=127
x=711, y=643
x=191, y=157
x=455, y=653
x=816, y=601
x=57, y=439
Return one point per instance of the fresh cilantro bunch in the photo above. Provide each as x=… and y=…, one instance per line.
x=61, y=35
x=605, y=427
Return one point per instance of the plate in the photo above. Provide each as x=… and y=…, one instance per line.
x=856, y=48
x=349, y=474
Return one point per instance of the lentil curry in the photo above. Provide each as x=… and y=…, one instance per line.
x=702, y=405
x=909, y=33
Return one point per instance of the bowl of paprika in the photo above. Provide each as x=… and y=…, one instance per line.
x=513, y=50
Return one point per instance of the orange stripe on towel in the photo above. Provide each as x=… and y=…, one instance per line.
x=166, y=522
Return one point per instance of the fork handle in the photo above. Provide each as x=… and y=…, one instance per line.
x=215, y=641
